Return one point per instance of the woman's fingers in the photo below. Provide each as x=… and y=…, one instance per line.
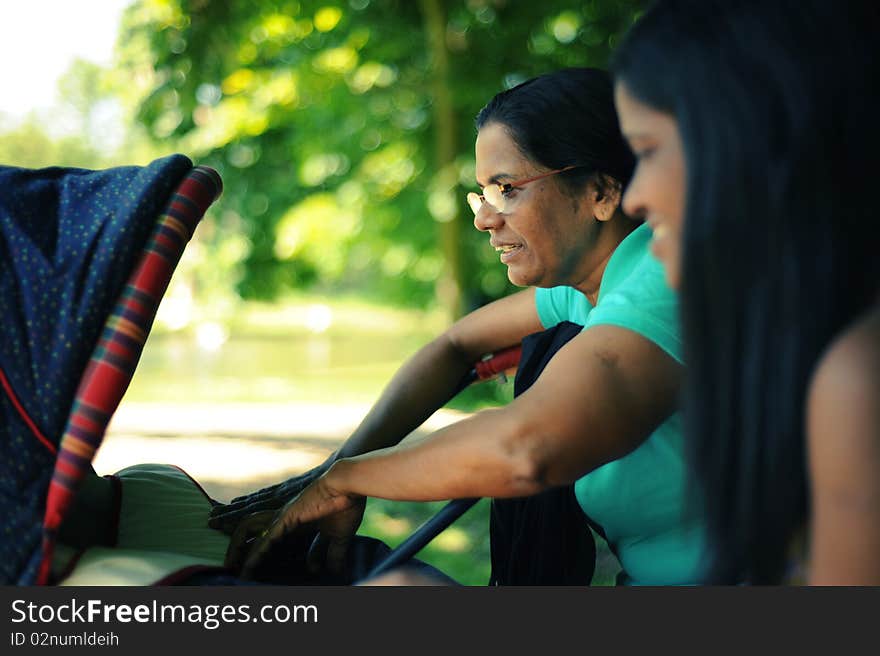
x=249, y=530
x=285, y=522
x=244, y=499
x=317, y=554
x=228, y=518
x=337, y=550
x=329, y=553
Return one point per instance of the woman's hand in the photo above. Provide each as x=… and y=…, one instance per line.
x=246, y=536
x=336, y=514
x=227, y=517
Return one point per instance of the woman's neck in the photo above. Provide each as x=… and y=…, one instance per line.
x=611, y=235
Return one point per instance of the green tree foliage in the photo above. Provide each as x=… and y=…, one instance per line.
x=344, y=130
x=86, y=127
x=29, y=145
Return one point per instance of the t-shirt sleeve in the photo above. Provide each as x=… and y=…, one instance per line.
x=554, y=305
x=645, y=304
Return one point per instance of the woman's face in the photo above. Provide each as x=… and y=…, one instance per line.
x=657, y=189
x=545, y=232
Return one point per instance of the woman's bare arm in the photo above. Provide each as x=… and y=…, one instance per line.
x=598, y=399
x=430, y=378
x=421, y=386
x=843, y=425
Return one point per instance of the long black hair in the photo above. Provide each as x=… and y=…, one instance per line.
x=776, y=104
x=565, y=118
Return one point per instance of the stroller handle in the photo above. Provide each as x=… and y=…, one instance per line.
x=499, y=362
x=423, y=535
x=493, y=365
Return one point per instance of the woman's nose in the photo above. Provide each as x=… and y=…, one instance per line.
x=488, y=218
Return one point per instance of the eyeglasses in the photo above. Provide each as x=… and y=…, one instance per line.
x=497, y=194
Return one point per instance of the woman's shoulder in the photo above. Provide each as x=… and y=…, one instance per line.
x=843, y=441
x=556, y=304
x=843, y=413
x=852, y=361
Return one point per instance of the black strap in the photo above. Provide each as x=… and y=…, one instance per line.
x=544, y=539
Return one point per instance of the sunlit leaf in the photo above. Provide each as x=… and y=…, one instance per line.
x=370, y=74
x=241, y=80
x=337, y=60
x=565, y=26
x=327, y=18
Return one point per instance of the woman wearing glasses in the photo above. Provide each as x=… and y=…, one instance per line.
x=551, y=164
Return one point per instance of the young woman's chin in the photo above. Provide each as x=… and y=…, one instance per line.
x=673, y=278
x=665, y=250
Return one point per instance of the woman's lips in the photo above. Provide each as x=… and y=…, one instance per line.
x=508, y=256
x=508, y=251
x=660, y=233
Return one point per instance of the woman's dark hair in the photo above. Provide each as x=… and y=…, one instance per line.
x=565, y=118
x=776, y=104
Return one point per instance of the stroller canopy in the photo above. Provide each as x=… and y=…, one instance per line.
x=86, y=255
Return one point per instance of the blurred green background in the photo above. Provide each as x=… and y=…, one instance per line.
x=343, y=131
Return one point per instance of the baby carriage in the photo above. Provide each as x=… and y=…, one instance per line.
x=87, y=255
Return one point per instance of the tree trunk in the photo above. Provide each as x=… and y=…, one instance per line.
x=453, y=283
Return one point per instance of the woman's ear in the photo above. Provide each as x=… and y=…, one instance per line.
x=606, y=197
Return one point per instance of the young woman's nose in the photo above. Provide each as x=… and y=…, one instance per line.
x=632, y=201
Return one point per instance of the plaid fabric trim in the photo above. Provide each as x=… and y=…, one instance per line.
x=114, y=359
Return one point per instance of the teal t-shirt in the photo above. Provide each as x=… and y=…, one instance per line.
x=639, y=500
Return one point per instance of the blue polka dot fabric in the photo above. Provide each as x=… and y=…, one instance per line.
x=69, y=239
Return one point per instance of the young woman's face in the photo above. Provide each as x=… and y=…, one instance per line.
x=545, y=232
x=657, y=189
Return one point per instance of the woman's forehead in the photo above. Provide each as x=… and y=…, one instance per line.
x=638, y=119
x=498, y=158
